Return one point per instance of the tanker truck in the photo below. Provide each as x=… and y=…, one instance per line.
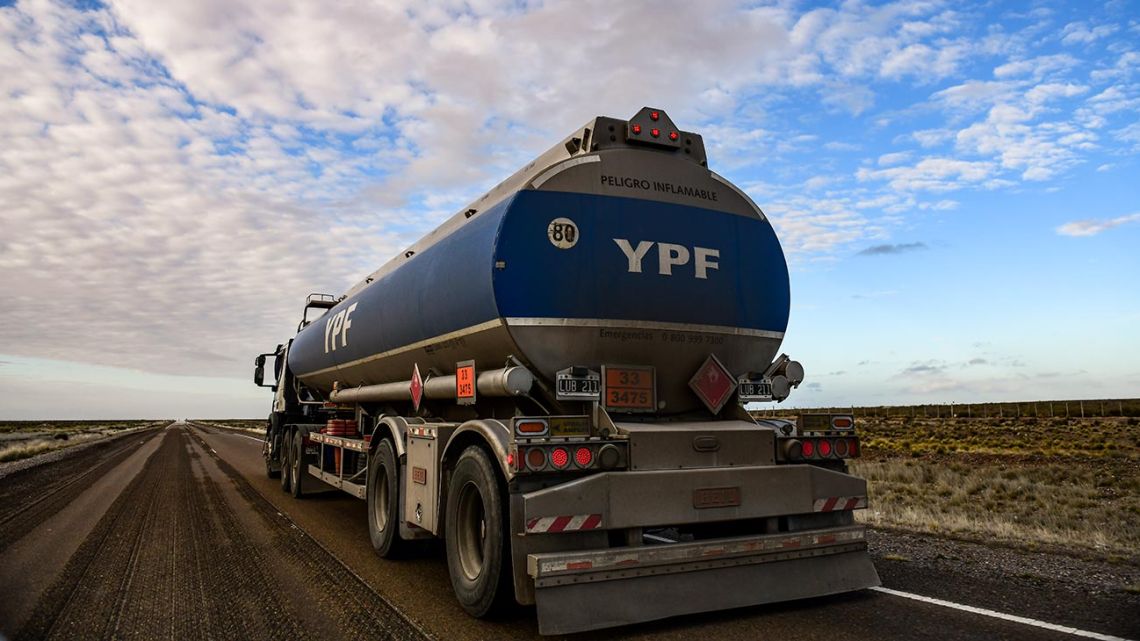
x=553, y=382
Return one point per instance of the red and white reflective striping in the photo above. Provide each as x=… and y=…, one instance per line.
x=836, y=503
x=564, y=523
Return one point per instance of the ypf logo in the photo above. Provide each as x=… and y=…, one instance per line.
x=669, y=256
x=336, y=328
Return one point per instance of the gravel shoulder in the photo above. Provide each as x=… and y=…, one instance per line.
x=1082, y=592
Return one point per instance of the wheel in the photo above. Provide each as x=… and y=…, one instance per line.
x=286, y=465
x=272, y=435
x=269, y=471
x=475, y=532
x=384, y=501
x=297, y=470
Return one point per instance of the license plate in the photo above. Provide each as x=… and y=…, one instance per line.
x=751, y=391
x=716, y=497
x=578, y=386
x=629, y=388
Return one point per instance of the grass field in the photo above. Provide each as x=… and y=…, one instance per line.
x=24, y=439
x=1059, y=482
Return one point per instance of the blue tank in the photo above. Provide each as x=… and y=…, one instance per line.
x=611, y=253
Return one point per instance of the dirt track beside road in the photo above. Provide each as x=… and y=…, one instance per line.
x=187, y=551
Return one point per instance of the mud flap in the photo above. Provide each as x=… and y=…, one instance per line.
x=590, y=604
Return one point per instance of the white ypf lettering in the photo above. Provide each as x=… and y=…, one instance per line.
x=703, y=261
x=669, y=255
x=634, y=256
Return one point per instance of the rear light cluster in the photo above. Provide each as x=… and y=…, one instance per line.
x=635, y=129
x=814, y=448
x=568, y=456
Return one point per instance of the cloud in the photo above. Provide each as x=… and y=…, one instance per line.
x=927, y=368
x=933, y=174
x=1092, y=227
x=1036, y=67
x=894, y=158
x=181, y=175
x=1081, y=33
x=977, y=361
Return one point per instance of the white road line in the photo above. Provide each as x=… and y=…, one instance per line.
x=1001, y=615
x=252, y=438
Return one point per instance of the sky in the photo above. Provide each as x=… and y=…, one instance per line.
x=956, y=184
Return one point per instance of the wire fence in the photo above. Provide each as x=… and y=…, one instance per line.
x=1081, y=408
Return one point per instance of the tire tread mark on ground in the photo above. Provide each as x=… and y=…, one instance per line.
x=95, y=598
x=358, y=611
x=29, y=501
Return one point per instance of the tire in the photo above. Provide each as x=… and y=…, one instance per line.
x=297, y=471
x=475, y=532
x=269, y=471
x=272, y=435
x=286, y=465
x=384, y=501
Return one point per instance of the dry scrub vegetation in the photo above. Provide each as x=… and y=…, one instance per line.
x=245, y=424
x=1068, y=483
x=25, y=439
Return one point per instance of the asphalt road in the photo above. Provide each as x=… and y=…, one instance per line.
x=178, y=534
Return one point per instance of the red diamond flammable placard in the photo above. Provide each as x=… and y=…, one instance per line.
x=713, y=384
x=416, y=387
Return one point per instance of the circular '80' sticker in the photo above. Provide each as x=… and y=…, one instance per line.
x=563, y=233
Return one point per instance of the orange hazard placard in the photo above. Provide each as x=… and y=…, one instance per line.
x=465, y=382
x=629, y=388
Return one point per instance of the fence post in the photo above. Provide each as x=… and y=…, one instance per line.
x=1082, y=409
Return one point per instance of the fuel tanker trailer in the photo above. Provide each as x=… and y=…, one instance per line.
x=553, y=381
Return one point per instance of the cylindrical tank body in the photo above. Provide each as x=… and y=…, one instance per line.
x=669, y=263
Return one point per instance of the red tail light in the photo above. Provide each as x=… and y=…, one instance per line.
x=560, y=458
x=636, y=129
x=841, y=447
x=825, y=448
x=583, y=457
x=853, y=450
x=808, y=449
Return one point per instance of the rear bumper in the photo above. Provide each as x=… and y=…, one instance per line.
x=651, y=498
x=619, y=586
x=564, y=568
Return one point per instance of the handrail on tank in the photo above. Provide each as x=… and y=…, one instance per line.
x=323, y=301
